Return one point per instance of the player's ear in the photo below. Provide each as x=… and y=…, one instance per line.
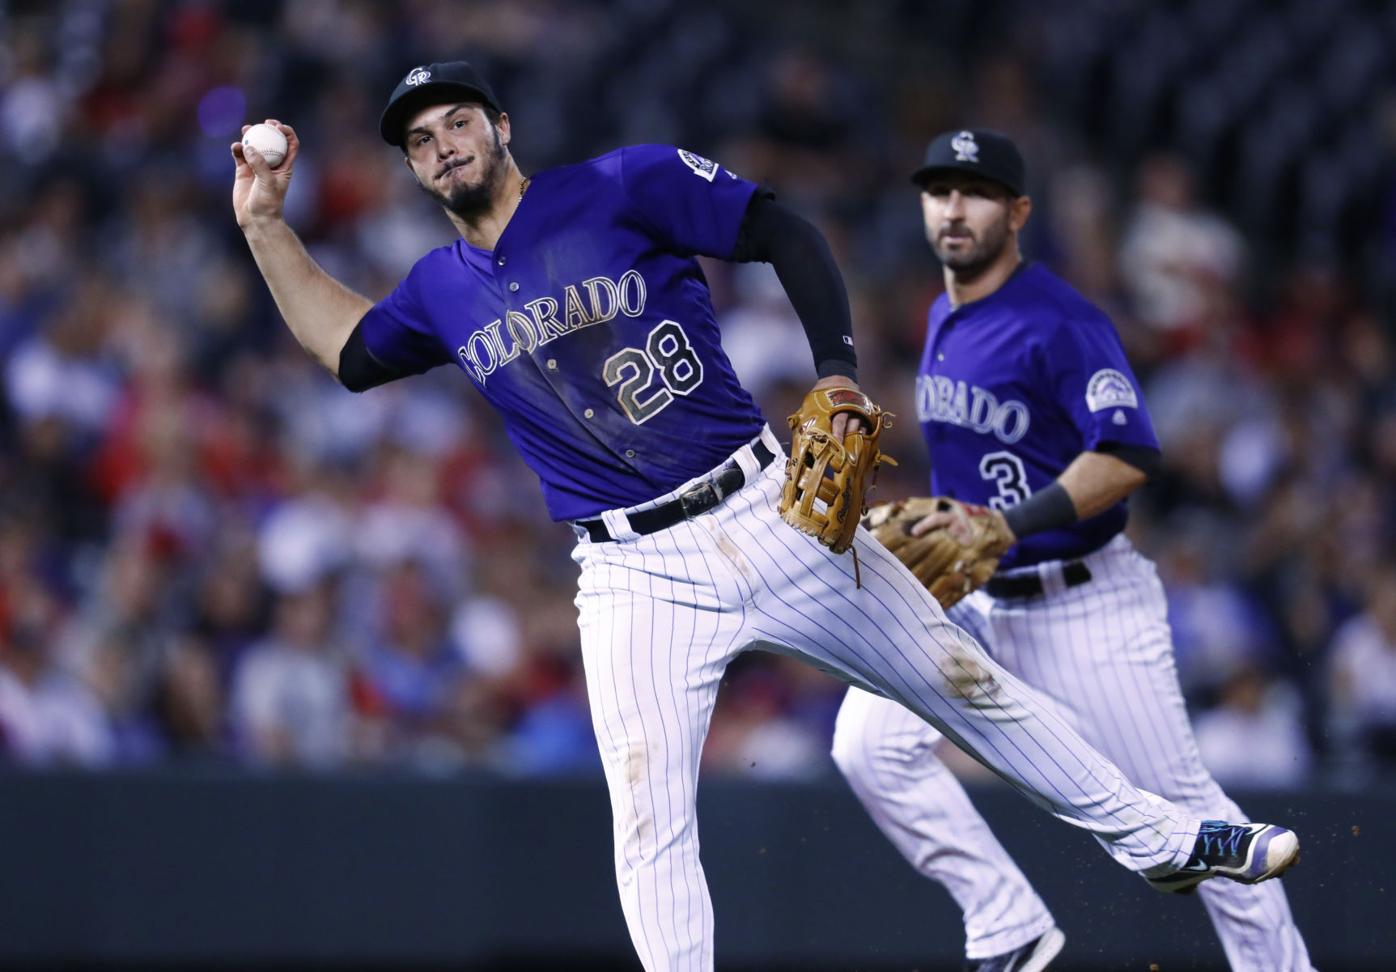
x=503, y=126
x=1018, y=212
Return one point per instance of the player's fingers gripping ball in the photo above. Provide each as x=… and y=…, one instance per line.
x=269, y=141
x=952, y=559
x=826, y=477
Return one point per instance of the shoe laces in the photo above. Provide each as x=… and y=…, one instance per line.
x=1220, y=837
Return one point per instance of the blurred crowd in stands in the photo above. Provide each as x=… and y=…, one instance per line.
x=210, y=551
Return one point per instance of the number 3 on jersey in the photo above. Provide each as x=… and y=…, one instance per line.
x=1005, y=469
x=667, y=352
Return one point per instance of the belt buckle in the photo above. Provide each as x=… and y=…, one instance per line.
x=698, y=500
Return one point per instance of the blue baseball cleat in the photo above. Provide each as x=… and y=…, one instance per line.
x=1035, y=956
x=1248, y=853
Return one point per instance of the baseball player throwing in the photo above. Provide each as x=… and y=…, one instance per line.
x=574, y=304
x=1031, y=412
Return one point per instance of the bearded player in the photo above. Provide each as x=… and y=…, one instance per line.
x=1032, y=414
x=574, y=305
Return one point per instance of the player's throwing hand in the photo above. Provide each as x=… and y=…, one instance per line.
x=259, y=191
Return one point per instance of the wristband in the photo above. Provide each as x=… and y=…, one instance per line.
x=1047, y=509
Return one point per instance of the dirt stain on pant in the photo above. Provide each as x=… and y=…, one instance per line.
x=728, y=549
x=633, y=821
x=967, y=678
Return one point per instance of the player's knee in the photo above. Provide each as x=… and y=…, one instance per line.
x=851, y=748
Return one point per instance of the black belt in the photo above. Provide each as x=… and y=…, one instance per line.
x=688, y=504
x=1074, y=574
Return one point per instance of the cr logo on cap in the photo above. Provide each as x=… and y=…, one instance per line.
x=417, y=76
x=966, y=148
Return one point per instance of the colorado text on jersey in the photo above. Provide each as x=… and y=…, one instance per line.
x=942, y=399
x=593, y=301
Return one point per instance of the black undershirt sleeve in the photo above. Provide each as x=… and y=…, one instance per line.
x=359, y=370
x=772, y=234
x=1146, y=460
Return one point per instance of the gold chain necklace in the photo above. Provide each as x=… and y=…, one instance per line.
x=523, y=186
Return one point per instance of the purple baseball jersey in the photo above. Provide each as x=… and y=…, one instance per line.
x=1012, y=388
x=590, y=327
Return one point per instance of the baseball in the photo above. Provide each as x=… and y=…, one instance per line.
x=267, y=140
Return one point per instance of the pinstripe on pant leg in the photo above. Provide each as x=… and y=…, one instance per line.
x=891, y=637
x=658, y=627
x=1104, y=651
x=887, y=753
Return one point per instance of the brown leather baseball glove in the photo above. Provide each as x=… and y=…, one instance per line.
x=825, y=477
x=957, y=555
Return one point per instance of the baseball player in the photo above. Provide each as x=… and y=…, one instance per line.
x=573, y=303
x=1030, y=409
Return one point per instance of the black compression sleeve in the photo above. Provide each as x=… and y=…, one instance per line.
x=772, y=234
x=359, y=370
x=1047, y=509
x=1146, y=460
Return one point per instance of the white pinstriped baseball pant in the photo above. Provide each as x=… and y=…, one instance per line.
x=1103, y=654
x=662, y=615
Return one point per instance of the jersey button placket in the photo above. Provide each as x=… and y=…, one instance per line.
x=941, y=333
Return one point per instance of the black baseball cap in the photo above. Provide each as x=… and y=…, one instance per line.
x=975, y=150
x=432, y=84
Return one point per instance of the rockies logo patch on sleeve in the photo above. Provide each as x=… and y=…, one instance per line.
x=705, y=168
x=1109, y=388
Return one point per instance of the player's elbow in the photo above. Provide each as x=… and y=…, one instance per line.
x=1128, y=478
x=1123, y=481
